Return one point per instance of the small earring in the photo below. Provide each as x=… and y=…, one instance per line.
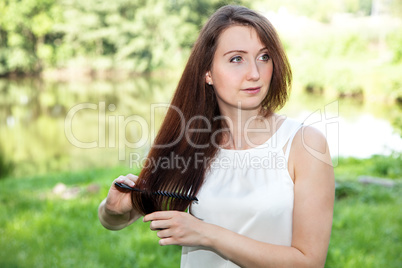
x=209, y=83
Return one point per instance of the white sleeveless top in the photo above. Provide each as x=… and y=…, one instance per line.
x=249, y=192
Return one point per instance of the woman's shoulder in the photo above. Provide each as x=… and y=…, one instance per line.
x=311, y=143
x=312, y=138
x=305, y=134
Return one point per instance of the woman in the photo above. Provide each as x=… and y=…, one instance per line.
x=264, y=199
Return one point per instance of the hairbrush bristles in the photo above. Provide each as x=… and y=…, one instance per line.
x=163, y=193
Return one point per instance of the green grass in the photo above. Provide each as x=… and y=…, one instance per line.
x=367, y=228
x=40, y=229
x=367, y=222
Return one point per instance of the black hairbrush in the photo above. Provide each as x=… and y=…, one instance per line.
x=164, y=193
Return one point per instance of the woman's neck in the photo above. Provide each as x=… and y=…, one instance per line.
x=248, y=129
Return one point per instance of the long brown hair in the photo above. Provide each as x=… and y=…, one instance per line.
x=193, y=127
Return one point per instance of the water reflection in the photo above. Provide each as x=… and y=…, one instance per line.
x=33, y=113
x=352, y=128
x=51, y=126
x=360, y=136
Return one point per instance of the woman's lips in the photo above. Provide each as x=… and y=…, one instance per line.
x=252, y=90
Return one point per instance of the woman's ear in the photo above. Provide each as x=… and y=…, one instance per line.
x=208, y=78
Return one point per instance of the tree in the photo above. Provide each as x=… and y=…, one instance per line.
x=24, y=28
x=136, y=35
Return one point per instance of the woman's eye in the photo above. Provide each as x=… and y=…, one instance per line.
x=236, y=59
x=265, y=57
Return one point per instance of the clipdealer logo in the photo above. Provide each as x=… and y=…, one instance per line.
x=269, y=160
x=326, y=121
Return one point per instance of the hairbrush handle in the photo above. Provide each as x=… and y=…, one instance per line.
x=125, y=186
x=164, y=193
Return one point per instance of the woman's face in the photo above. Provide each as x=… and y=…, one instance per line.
x=241, y=70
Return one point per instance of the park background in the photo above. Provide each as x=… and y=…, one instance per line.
x=110, y=60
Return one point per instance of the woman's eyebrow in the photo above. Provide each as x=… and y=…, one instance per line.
x=238, y=51
x=243, y=51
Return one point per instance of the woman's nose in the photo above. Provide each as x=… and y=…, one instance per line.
x=253, y=73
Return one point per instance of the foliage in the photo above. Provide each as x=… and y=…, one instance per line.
x=384, y=166
x=323, y=10
x=350, y=168
x=359, y=6
x=397, y=122
x=353, y=62
x=396, y=7
x=6, y=166
x=25, y=27
x=320, y=10
x=138, y=35
x=394, y=41
x=134, y=35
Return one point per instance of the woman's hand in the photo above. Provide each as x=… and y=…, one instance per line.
x=178, y=228
x=116, y=211
x=119, y=202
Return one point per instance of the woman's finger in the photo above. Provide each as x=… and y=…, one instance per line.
x=164, y=234
x=120, y=179
x=132, y=177
x=160, y=215
x=125, y=180
x=167, y=241
x=159, y=225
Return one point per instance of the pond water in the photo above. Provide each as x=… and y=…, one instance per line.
x=51, y=126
